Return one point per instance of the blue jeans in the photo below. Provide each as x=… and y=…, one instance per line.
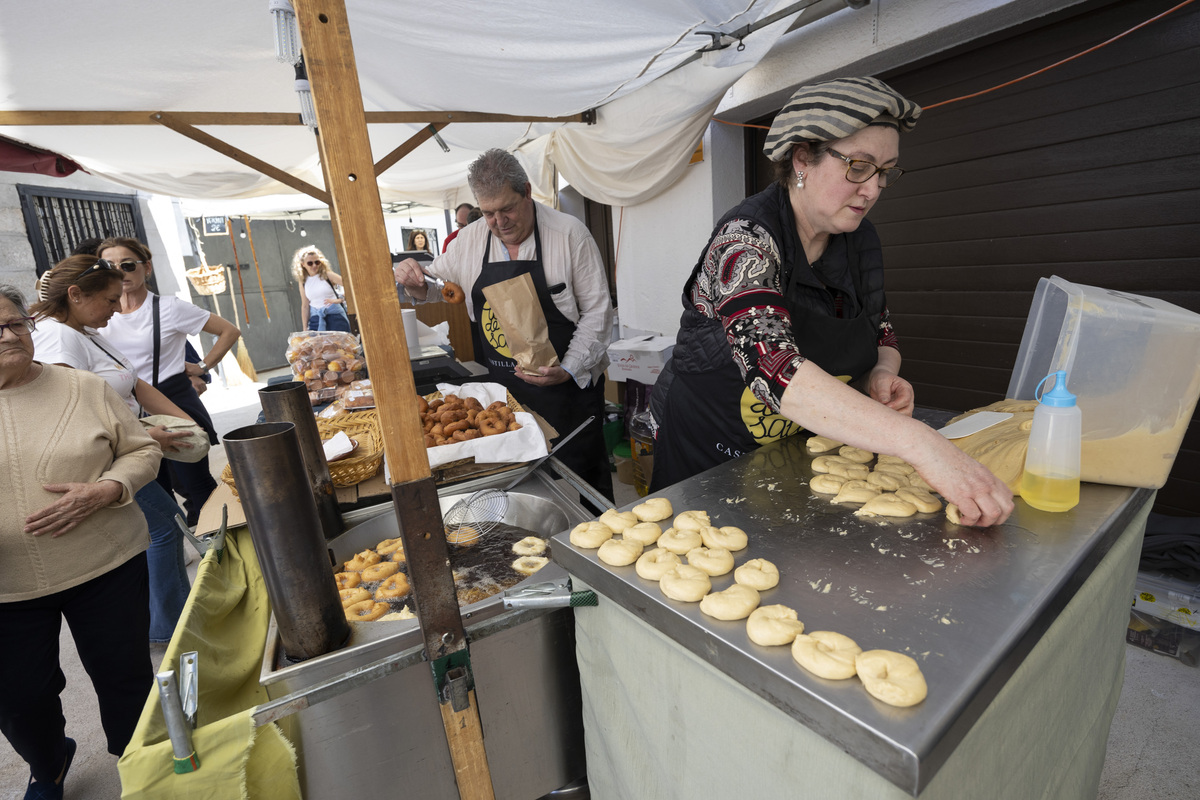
x=169, y=586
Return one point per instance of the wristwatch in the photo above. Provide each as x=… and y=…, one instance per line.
x=203, y=367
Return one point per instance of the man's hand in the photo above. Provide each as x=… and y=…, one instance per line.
x=549, y=376
x=198, y=384
x=408, y=273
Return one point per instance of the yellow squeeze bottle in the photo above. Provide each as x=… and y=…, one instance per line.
x=1051, y=478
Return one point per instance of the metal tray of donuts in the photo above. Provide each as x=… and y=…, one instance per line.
x=967, y=604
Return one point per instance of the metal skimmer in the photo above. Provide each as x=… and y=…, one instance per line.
x=480, y=512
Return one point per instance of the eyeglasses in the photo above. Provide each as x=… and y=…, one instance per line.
x=859, y=171
x=21, y=326
x=312, y=263
x=129, y=265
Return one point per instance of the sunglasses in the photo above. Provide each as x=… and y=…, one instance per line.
x=312, y=263
x=128, y=265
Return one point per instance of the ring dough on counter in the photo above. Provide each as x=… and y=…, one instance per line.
x=771, y=626
x=886, y=481
x=655, y=509
x=887, y=505
x=856, y=492
x=826, y=654
x=953, y=514
x=527, y=565
x=884, y=458
x=351, y=596
x=758, y=573
x=890, y=677
x=736, y=602
x=652, y=564
x=679, y=542
x=367, y=611
x=856, y=454
x=824, y=483
x=823, y=463
x=529, y=546
x=728, y=538
x=684, y=583
x=821, y=444
x=691, y=521
x=645, y=532
x=618, y=521
x=713, y=562
x=917, y=482
x=903, y=470
x=619, y=552
x=380, y=571
x=923, y=500
x=851, y=469
x=590, y=535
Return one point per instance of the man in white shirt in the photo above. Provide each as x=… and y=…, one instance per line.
x=516, y=236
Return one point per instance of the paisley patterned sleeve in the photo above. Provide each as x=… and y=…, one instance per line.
x=887, y=334
x=740, y=286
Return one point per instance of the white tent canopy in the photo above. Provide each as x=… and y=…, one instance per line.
x=534, y=58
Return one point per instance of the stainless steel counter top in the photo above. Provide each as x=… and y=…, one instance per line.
x=967, y=604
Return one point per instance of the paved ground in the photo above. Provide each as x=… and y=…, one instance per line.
x=1153, y=749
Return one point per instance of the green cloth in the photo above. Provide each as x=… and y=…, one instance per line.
x=225, y=621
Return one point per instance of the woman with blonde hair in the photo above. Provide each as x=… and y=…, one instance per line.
x=322, y=307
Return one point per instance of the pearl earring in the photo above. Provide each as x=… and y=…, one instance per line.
x=799, y=179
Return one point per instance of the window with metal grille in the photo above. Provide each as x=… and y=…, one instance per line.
x=59, y=219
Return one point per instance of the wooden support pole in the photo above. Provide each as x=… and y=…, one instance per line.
x=51, y=117
x=346, y=153
x=169, y=120
x=418, y=139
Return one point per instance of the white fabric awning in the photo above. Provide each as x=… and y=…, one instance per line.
x=533, y=58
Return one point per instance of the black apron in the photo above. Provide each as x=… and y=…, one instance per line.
x=563, y=405
x=708, y=415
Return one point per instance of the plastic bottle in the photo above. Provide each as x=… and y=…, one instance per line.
x=641, y=443
x=1051, y=478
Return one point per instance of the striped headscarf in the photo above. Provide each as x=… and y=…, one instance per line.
x=835, y=109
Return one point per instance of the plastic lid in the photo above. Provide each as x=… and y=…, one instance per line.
x=1058, y=397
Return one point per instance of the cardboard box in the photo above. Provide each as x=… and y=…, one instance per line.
x=639, y=359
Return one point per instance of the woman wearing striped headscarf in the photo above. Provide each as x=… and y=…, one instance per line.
x=786, y=326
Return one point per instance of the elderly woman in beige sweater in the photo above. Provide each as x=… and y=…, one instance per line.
x=72, y=546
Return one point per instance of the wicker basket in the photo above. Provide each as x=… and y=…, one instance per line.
x=362, y=427
x=208, y=279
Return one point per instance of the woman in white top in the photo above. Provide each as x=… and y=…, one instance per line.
x=321, y=305
x=78, y=296
x=152, y=331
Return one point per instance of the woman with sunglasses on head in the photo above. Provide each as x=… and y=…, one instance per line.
x=321, y=307
x=786, y=325
x=72, y=546
x=78, y=297
x=152, y=331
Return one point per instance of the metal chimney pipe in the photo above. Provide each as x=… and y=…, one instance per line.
x=288, y=402
x=282, y=516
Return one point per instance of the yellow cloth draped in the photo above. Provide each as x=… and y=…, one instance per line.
x=225, y=621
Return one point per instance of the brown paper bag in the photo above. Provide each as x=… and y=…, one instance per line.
x=515, y=304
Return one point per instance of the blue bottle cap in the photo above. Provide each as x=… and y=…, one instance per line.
x=1058, y=397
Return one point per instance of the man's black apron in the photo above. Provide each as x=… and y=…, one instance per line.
x=563, y=405
x=707, y=415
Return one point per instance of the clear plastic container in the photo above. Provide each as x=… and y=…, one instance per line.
x=1050, y=481
x=1134, y=364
